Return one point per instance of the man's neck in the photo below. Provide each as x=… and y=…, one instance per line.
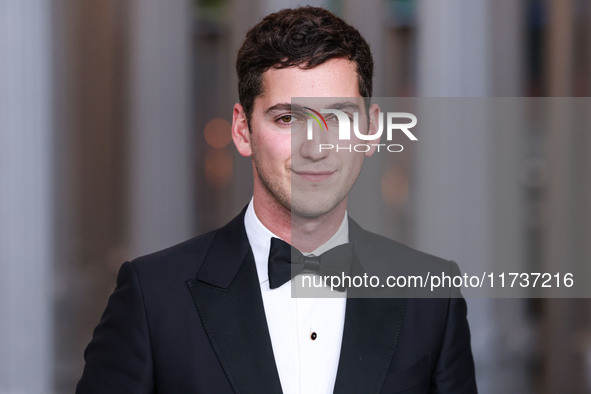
x=305, y=234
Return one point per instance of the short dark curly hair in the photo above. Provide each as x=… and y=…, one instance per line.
x=303, y=37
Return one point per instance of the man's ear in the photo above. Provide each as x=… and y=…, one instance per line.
x=374, y=114
x=240, y=131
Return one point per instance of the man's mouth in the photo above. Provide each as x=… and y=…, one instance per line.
x=314, y=176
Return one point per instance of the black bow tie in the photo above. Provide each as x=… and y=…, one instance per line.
x=285, y=260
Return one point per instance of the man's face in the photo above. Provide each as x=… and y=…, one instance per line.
x=290, y=172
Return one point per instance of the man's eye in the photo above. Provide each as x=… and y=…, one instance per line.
x=286, y=119
x=332, y=119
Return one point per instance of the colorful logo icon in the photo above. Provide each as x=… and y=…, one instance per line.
x=315, y=118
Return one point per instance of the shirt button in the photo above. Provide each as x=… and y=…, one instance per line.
x=313, y=336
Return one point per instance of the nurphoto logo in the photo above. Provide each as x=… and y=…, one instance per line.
x=344, y=122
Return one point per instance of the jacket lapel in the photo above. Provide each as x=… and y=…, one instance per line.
x=227, y=296
x=228, y=299
x=371, y=331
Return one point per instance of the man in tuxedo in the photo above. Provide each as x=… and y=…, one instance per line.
x=215, y=313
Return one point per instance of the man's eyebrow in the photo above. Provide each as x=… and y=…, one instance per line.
x=345, y=105
x=280, y=107
x=291, y=107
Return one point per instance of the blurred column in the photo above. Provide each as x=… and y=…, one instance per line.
x=509, y=147
x=560, y=337
x=26, y=253
x=507, y=23
x=563, y=340
x=161, y=161
x=369, y=17
x=454, y=47
x=560, y=47
x=90, y=117
x=467, y=200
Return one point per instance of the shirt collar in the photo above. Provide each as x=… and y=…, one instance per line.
x=260, y=236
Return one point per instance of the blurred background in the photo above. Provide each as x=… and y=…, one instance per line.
x=115, y=142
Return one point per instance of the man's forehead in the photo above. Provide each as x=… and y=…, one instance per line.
x=334, y=78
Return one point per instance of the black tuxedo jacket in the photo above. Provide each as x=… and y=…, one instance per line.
x=190, y=319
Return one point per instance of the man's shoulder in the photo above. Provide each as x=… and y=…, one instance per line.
x=189, y=249
x=185, y=258
x=387, y=259
x=182, y=260
x=385, y=252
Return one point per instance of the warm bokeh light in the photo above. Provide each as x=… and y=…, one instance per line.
x=218, y=133
x=218, y=167
x=394, y=186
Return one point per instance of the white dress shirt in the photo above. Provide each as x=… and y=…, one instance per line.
x=305, y=365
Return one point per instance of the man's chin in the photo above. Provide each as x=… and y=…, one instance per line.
x=312, y=211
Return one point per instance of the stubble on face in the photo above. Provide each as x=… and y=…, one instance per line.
x=300, y=202
x=279, y=192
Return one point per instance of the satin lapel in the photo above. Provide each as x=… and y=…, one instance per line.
x=371, y=331
x=228, y=299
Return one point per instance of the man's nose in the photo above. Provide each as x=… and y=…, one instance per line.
x=310, y=147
